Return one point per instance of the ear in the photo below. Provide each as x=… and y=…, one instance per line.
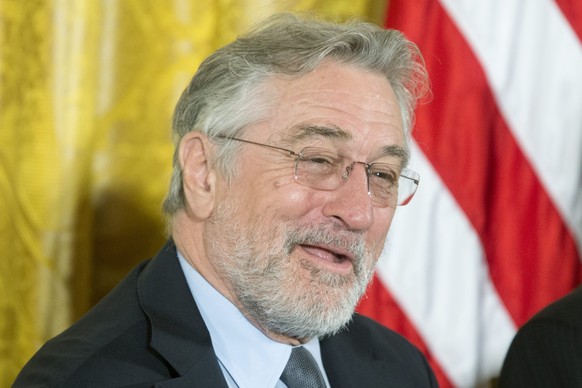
x=198, y=180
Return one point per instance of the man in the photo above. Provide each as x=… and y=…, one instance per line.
x=291, y=147
x=547, y=350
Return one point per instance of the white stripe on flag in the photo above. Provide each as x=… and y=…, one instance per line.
x=533, y=61
x=434, y=266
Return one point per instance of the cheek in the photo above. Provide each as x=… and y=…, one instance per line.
x=294, y=202
x=280, y=198
x=376, y=236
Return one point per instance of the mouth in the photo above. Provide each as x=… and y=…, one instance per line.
x=331, y=258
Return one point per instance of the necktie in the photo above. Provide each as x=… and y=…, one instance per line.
x=302, y=370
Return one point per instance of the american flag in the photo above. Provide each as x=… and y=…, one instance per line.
x=494, y=233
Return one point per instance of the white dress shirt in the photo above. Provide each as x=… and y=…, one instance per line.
x=248, y=358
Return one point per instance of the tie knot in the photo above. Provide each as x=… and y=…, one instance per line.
x=302, y=371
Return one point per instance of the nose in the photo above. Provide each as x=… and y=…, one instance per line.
x=350, y=203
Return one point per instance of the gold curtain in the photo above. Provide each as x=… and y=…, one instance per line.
x=87, y=89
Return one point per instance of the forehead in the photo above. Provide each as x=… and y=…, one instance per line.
x=336, y=103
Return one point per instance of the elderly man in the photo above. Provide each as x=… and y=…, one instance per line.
x=291, y=153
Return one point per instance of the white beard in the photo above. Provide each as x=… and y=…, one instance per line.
x=271, y=285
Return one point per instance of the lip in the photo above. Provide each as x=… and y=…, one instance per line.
x=331, y=258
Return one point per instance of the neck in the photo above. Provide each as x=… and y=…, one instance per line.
x=187, y=236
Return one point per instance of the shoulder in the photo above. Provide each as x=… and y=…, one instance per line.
x=383, y=340
x=114, y=326
x=567, y=310
x=548, y=348
x=375, y=355
x=139, y=333
x=559, y=319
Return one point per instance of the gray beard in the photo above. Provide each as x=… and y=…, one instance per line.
x=257, y=265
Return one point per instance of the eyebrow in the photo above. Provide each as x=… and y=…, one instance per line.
x=310, y=131
x=399, y=152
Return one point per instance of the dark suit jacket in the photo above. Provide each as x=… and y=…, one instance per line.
x=547, y=350
x=148, y=332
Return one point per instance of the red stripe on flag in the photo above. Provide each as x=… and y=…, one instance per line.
x=380, y=305
x=531, y=254
x=572, y=10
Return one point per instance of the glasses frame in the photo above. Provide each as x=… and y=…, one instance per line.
x=405, y=173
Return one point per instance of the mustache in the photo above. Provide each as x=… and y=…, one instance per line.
x=332, y=236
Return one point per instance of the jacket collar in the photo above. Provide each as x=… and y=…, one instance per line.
x=348, y=364
x=178, y=332
x=179, y=335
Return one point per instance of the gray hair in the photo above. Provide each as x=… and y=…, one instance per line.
x=224, y=96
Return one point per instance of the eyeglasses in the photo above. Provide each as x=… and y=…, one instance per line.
x=323, y=169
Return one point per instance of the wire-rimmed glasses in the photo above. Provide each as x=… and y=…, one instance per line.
x=324, y=169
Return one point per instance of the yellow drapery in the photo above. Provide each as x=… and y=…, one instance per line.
x=86, y=93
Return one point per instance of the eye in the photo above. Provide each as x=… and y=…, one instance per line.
x=318, y=159
x=318, y=162
x=384, y=175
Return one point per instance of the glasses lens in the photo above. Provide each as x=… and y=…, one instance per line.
x=323, y=169
x=318, y=168
x=391, y=187
x=383, y=184
x=407, y=185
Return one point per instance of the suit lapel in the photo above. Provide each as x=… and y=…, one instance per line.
x=350, y=360
x=204, y=373
x=179, y=333
x=347, y=365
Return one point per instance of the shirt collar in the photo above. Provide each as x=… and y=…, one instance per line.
x=251, y=358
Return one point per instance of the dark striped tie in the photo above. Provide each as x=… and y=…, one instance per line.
x=302, y=370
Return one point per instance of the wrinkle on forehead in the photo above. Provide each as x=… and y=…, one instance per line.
x=310, y=131
x=342, y=105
